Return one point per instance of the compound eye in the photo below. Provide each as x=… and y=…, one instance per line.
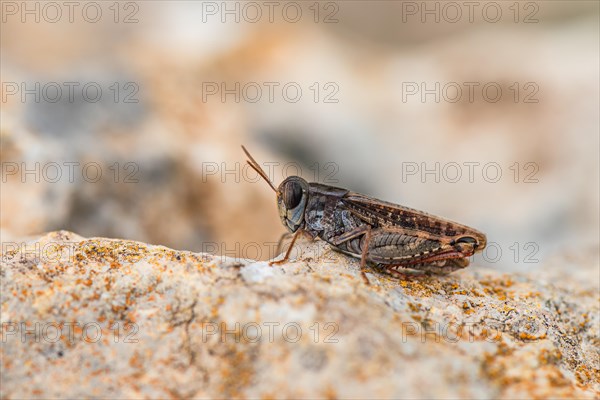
x=292, y=195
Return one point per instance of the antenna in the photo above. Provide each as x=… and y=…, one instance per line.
x=252, y=162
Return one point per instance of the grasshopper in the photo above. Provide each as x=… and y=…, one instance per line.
x=375, y=231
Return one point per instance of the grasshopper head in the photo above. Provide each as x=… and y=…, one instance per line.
x=292, y=196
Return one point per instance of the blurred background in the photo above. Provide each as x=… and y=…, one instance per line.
x=125, y=119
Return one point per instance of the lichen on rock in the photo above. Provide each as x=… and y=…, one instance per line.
x=121, y=319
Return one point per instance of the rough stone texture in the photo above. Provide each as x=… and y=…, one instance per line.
x=473, y=334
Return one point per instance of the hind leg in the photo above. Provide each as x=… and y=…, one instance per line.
x=363, y=258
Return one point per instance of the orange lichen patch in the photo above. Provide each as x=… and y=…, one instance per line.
x=532, y=295
x=9, y=254
x=490, y=335
x=497, y=292
x=492, y=366
x=498, y=288
x=556, y=378
x=551, y=357
x=418, y=286
x=504, y=369
x=585, y=374
x=214, y=311
x=507, y=309
x=113, y=252
x=417, y=317
x=137, y=363
x=236, y=373
x=349, y=276
x=118, y=309
x=467, y=308
x=108, y=281
x=529, y=336
x=503, y=281
x=130, y=316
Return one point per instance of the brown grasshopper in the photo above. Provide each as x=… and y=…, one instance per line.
x=376, y=231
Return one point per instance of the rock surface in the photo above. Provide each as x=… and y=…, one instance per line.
x=111, y=318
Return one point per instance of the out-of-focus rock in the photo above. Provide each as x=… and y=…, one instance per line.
x=112, y=318
x=175, y=144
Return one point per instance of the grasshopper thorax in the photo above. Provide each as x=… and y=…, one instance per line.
x=292, y=197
